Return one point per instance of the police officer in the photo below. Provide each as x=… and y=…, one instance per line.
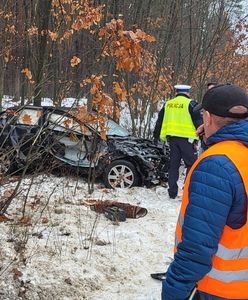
x=176, y=124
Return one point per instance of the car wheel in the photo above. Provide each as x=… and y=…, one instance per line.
x=121, y=174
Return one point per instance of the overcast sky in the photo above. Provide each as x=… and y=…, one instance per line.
x=245, y=2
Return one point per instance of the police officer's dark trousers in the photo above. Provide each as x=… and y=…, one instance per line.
x=180, y=148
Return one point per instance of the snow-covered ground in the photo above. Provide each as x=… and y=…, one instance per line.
x=64, y=250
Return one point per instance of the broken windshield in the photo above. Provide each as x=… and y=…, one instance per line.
x=116, y=129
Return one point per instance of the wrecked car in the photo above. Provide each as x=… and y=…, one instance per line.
x=41, y=137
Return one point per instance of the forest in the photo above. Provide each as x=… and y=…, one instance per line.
x=64, y=184
x=113, y=51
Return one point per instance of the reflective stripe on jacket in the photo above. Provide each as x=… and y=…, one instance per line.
x=177, y=120
x=228, y=277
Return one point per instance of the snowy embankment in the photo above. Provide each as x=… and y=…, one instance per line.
x=64, y=250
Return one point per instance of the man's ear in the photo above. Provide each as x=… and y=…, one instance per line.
x=208, y=118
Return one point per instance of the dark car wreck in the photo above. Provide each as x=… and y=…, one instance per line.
x=37, y=137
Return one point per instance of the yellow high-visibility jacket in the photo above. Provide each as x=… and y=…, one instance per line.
x=177, y=120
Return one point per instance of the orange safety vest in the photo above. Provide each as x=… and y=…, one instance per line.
x=228, y=277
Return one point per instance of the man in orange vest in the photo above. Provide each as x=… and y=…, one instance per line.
x=211, y=243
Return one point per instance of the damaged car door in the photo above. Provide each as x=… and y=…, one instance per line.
x=73, y=143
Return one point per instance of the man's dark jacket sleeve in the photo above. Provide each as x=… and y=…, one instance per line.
x=158, y=126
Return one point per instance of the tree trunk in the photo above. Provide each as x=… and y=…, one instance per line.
x=43, y=11
x=2, y=72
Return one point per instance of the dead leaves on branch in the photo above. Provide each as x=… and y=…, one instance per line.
x=10, y=29
x=230, y=62
x=142, y=91
x=76, y=15
x=53, y=35
x=28, y=74
x=119, y=89
x=75, y=61
x=125, y=46
x=32, y=31
x=101, y=101
x=91, y=16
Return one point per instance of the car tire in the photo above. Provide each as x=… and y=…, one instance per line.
x=120, y=174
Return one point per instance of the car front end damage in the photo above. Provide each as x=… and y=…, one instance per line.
x=151, y=161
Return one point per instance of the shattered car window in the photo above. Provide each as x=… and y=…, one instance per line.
x=63, y=123
x=29, y=116
x=115, y=129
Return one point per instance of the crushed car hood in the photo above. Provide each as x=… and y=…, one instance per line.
x=132, y=146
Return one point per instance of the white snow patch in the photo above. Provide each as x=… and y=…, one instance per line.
x=71, y=252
